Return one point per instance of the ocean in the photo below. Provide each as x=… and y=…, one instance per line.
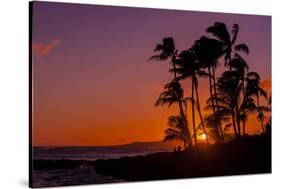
x=86, y=174
x=93, y=153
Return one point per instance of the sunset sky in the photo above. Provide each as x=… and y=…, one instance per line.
x=92, y=84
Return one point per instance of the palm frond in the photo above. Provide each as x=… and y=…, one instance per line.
x=159, y=57
x=219, y=30
x=262, y=92
x=242, y=47
x=234, y=31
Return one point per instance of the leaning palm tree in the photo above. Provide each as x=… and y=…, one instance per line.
x=253, y=88
x=189, y=67
x=176, y=130
x=208, y=52
x=220, y=31
x=168, y=51
x=173, y=94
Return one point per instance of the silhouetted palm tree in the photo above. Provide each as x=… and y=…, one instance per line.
x=208, y=51
x=176, y=130
x=188, y=66
x=229, y=88
x=246, y=107
x=173, y=94
x=220, y=31
x=241, y=66
x=168, y=51
x=253, y=88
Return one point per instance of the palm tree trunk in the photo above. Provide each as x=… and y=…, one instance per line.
x=238, y=120
x=244, y=125
x=200, y=114
x=233, y=124
x=213, y=104
x=216, y=100
x=193, y=113
x=174, y=66
x=189, y=139
x=244, y=114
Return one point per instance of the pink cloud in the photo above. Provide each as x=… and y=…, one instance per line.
x=40, y=49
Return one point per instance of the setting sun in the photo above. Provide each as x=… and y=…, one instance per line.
x=203, y=136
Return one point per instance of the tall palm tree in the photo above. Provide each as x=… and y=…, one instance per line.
x=189, y=67
x=241, y=66
x=168, y=51
x=176, y=130
x=229, y=88
x=253, y=88
x=208, y=52
x=220, y=31
x=173, y=94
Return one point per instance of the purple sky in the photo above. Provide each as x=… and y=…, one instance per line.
x=90, y=71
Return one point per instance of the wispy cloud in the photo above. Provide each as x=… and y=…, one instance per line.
x=40, y=49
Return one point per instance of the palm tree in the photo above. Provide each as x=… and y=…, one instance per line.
x=173, y=94
x=241, y=66
x=176, y=130
x=246, y=107
x=229, y=88
x=254, y=89
x=189, y=67
x=220, y=31
x=168, y=51
x=208, y=51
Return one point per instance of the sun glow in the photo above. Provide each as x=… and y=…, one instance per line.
x=203, y=136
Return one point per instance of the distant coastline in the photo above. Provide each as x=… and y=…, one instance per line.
x=136, y=143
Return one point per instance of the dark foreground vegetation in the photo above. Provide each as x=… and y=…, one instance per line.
x=248, y=156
